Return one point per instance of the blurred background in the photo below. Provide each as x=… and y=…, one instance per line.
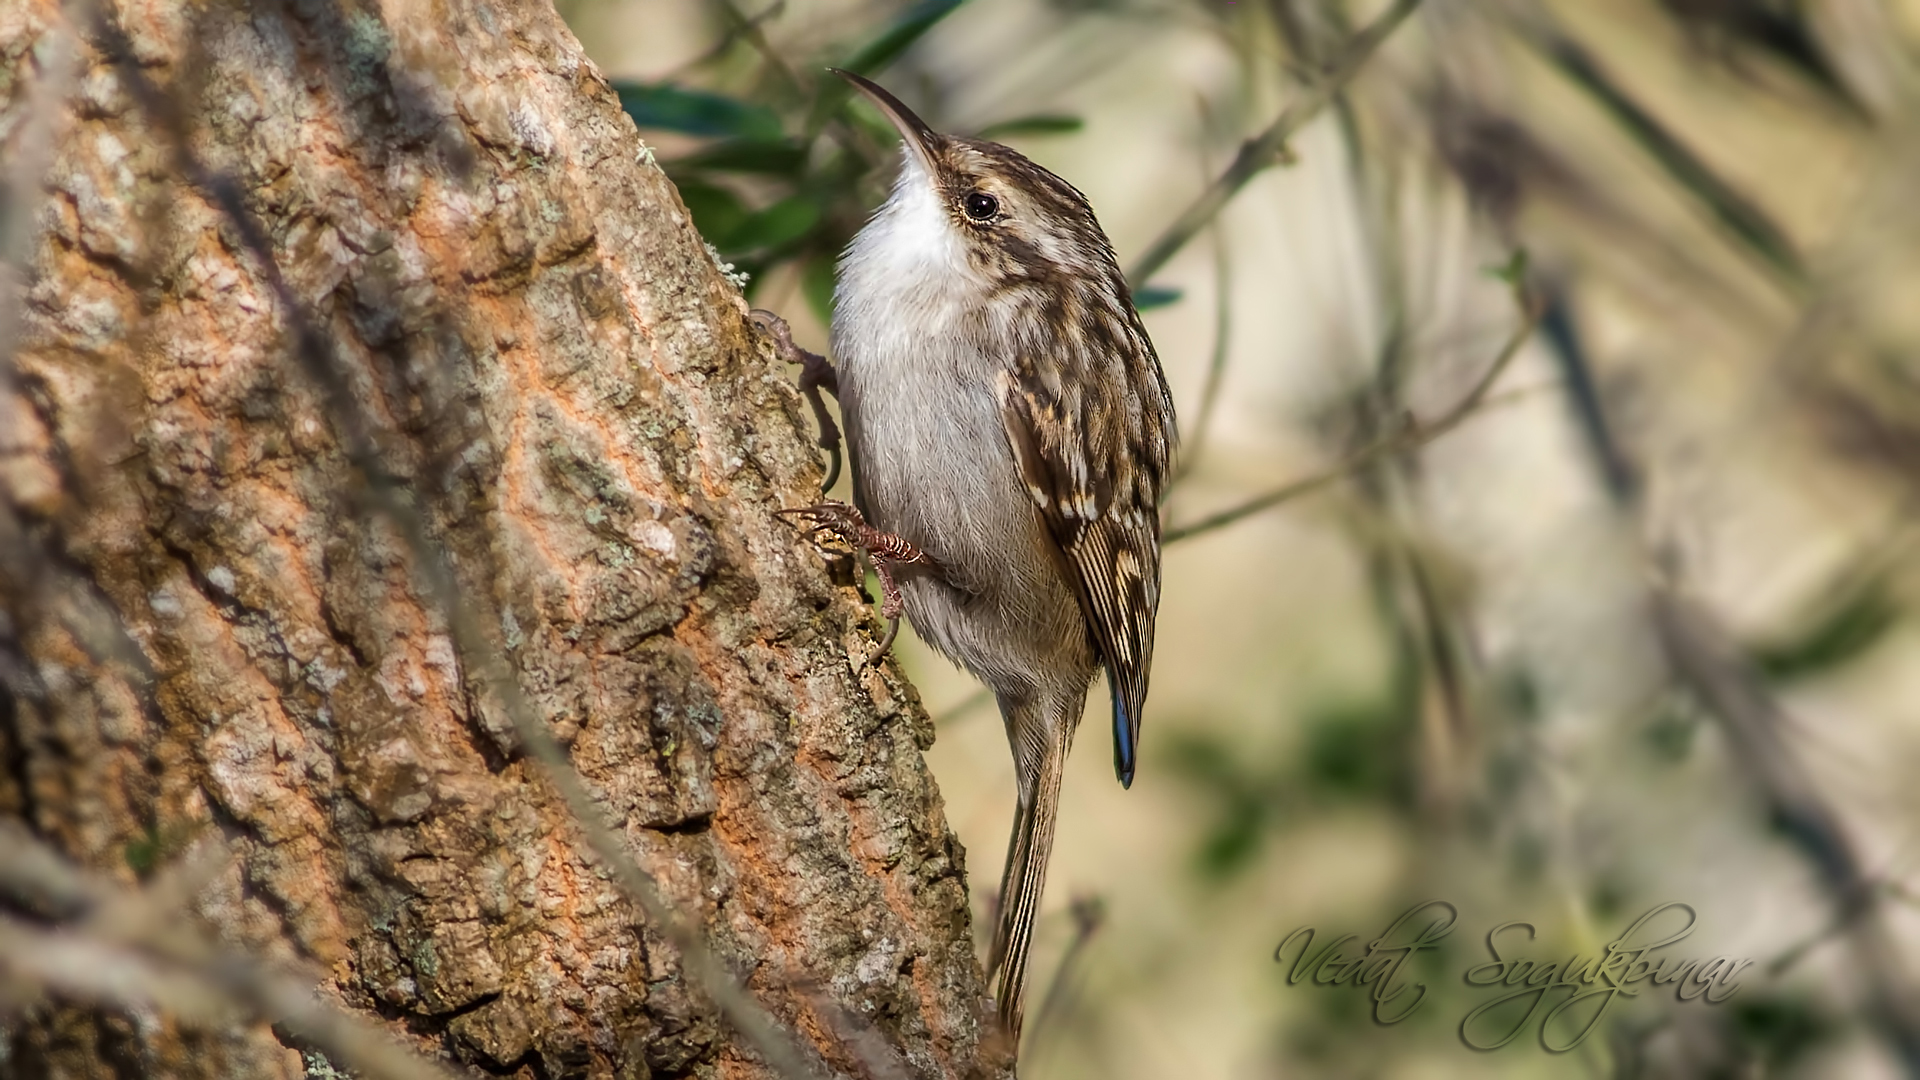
x=1598, y=595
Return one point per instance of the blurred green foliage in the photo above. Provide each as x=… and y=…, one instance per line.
x=1838, y=632
x=1778, y=1030
x=789, y=170
x=782, y=179
x=1353, y=753
x=1671, y=734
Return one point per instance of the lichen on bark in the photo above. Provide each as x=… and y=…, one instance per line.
x=206, y=632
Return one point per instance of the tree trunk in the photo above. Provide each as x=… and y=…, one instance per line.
x=206, y=632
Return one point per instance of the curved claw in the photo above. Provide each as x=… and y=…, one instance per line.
x=833, y=469
x=884, y=550
x=893, y=631
x=816, y=373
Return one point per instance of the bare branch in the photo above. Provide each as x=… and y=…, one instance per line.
x=1412, y=436
x=122, y=948
x=1216, y=364
x=1269, y=147
x=1089, y=915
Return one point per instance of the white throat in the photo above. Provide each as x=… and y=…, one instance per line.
x=908, y=257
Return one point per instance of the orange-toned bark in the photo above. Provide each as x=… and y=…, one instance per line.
x=206, y=630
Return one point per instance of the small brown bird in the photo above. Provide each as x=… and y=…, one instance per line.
x=1010, y=433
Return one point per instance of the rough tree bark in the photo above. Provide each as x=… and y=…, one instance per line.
x=204, y=631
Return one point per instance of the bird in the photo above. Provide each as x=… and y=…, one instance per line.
x=1010, y=433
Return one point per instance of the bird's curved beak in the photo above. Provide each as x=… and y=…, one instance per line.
x=913, y=131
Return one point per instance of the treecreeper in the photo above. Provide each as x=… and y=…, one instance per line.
x=1010, y=433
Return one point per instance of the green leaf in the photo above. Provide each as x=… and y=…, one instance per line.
x=894, y=40
x=1207, y=761
x=696, y=112
x=1831, y=639
x=1233, y=842
x=1513, y=271
x=1041, y=124
x=1241, y=810
x=1779, y=1030
x=1671, y=735
x=1148, y=297
x=782, y=223
x=772, y=157
x=878, y=53
x=1356, y=751
x=143, y=853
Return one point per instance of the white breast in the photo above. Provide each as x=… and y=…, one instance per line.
x=917, y=388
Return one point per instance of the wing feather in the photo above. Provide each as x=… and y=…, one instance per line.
x=1093, y=449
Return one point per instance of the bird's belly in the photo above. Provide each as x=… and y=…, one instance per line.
x=932, y=465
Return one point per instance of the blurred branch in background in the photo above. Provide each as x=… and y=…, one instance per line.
x=1413, y=434
x=1713, y=669
x=1089, y=914
x=80, y=935
x=1194, y=435
x=1743, y=219
x=1270, y=146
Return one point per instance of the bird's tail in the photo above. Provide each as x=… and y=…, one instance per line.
x=1023, y=881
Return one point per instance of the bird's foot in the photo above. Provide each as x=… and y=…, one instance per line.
x=816, y=374
x=885, y=549
x=815, y=370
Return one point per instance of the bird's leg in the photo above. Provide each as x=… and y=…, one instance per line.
x=884, y=549
x=816, y=373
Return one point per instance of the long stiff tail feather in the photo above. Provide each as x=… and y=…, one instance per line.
x=1022, y=884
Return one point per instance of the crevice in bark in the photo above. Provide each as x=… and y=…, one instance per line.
x=698, y=823
x=529, y=1064
x=14, y=673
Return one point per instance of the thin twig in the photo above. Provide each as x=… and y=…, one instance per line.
x=1743, y=218
x=739, y=24
x=879, y=1058
x=1269, y=147
x=1408, y=438
x=1196, y=439
x=58, y=54
x=749, y=29
x=1089, y=915
x=1755, y=723
x=123, y=948
x=385, y=496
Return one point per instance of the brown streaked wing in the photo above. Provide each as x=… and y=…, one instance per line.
x=1096, y=480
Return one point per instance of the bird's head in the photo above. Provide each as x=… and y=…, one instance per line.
x=980, y=210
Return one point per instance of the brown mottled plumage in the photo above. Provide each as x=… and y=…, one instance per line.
x=1008, y=420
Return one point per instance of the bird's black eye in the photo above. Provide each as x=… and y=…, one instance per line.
x=981, y=206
